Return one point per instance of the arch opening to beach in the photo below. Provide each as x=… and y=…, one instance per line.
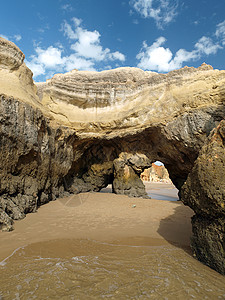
x=158, y=184
x=156, y=173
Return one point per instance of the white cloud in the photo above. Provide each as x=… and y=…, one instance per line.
x=15, y=37
x=155, y=57
x=158, y=58
x=68, y=31
x=206, y=45
x=67, y=7
x=76, y=21
x=36, y=68
x=73, y=61
x=86, y=52
x=220, y=31
x=44, y=28
x=182, y=56
x=87, y=43
x=135, y=21
x=162, y=11
x=117, y=56
x=50, y=57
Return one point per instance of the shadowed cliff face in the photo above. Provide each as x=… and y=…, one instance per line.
x=204, y=192
x=82, y=130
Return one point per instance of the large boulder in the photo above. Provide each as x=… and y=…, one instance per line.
x=127, y=170
x=204, y=192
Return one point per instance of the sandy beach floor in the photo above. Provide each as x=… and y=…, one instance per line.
x=103, y=217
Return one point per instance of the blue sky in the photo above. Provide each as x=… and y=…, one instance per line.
x=157, y=35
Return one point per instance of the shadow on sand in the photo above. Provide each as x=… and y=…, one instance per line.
x=176, y=228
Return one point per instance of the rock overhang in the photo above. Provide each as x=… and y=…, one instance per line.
x=128, y=99
x=74, y=132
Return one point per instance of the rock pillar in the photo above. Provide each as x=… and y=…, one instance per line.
x=127, y=170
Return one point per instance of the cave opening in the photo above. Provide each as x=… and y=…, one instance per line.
x=107, y=189
x=158, y=184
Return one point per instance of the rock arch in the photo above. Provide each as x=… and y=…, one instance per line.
x=81, y=130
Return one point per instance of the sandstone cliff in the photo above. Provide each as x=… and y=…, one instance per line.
x=204, y=192
x=80, y=131
x=15, y=78
x=164, y=116
x=156, y=174
x=129, y=100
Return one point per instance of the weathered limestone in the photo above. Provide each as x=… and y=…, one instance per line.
x=204, y=192
x=128, y=100
x=80, y=131
x=15, y=78
x=156, y=174
x=11, y=56
x=33, y=158
x=5, y=221
x=127, y=170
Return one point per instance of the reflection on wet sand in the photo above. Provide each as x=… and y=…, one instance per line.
x=156, y=190
x=98, y=245
x=87, y=269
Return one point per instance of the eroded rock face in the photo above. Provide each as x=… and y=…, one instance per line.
x=6, y=222
x=80, y=131
x=129, y=100
x=11, y=56
x=204, y=192
x=15, y=78
x=156, y=174
x=34, y=158
x=127, y=170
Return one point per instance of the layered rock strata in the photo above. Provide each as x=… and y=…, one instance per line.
x=15, y=78
x=79, y=131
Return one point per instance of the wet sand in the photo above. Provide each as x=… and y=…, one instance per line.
x=156, y=190
x=100, y=245
x=162, y=191
x=102, y=217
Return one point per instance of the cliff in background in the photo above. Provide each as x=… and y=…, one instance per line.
x=80, y=131
x=156, y=174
